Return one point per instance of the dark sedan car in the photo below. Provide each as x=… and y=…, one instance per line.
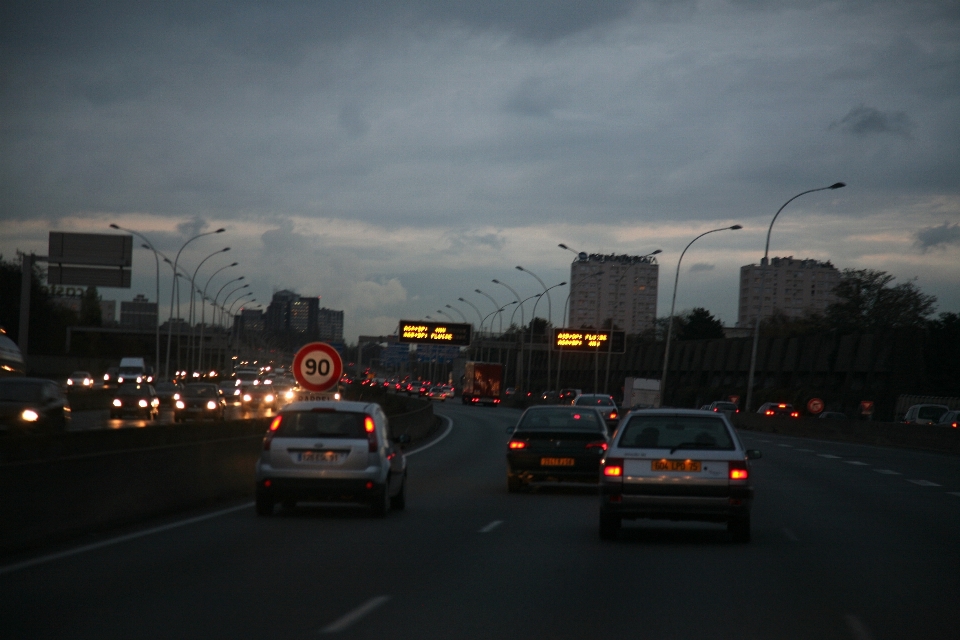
x=556, y=443
x=32, y=404
x=604, y=404
x=136, y=399
x=199, y=401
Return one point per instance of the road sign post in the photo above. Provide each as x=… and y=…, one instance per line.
x=317, y=368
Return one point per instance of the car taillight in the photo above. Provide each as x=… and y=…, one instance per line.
x=613, y=468
x=715, y=409
x=768, y=412
x=738, y=470
x=794, y=414
x=370, y=427
x=517, y=444
x=496, y=401
x=614, y=415
x=274, y=425
x=598, y=444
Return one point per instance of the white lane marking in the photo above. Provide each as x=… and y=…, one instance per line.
x=828, y=455
x=112, y=541
x=788, y=446
x=954, y=493
x=924, y=483
x=791, y=536
x=857, y=629
x=355, y=615
x=806, y=450
x=490, y=527
x=427, y=446
x=888, y=472
x=858, y=463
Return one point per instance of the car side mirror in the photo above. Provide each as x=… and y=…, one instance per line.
x=753, y=454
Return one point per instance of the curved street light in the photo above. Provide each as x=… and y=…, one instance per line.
x=479, y=315
x=176, y=261
x=195, y=289
x=203, y=311
x=666, y=351
x=156, y=257
x=533, y=316
x=219, y=291
x=763, y=285
x=449, y=317
x=495, y=305
x=516, y=295
x=448, y=306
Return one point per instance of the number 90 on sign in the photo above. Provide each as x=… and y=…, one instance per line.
x=317, y=367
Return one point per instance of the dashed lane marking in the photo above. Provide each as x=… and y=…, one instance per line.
x=786, y=446
x=954, y=493
x=857, y=629
x=490, y=527
x=347, y=620
x=924, y=483
x=828, y=455
x=888, y=472
x=791, y=536
x=857, y=463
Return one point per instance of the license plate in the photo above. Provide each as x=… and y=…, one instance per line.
x=675, y=465
x=557, y=462
x=320, y=456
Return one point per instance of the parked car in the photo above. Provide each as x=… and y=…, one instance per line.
x=778, y=409
x=32, y=405
x=331, y=451
x=553, y=443
x=602, y=403
x=80, y=380
x=925, y=413
x=676, y=464
x=136, y=399
x=950, y=419
x=200, y=401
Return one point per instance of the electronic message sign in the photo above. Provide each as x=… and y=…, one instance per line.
x=589, y=340
x=435, y=332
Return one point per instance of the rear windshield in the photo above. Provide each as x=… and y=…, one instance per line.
x=594, y=401
x=312, y=424
x=19, y=391
x=560, y=419
x=668, y=432
x=931, y=413
x=201, y=392
x=725, y=406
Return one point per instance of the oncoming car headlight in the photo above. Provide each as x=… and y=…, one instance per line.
x=180, y=404
x=288, y=395
x=30, y=415
x=247, y=397
x=143, y=403
x=117, y=403
x=268, y=398
x=211, y=405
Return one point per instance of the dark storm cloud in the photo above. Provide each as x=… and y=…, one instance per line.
x=940, y=236
x=193, y=227
x=460, y=240
x=864, y=121
x=702, y=266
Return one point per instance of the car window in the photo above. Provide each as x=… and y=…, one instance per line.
x=19, y=391
x=725, y=406
x=558, y=419
x=593, y=401
x=667, y=432
x=200, y=392
x=327, y=424
x=930, y=413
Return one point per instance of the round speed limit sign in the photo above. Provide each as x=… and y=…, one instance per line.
x=317, y=366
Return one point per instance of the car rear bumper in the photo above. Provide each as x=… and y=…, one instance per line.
x=319, y=489
x=713, y=508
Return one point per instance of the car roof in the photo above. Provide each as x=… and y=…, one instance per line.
x=337, y=405
x=667, y=411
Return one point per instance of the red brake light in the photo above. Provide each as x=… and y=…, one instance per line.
x=275, y=423
x=517, y=444
x=794, y=414
x=715, y=409
x=613, y=415
x=738, y=470
x=613, y=467
x=768, y=412
x=599, y=444
x=782, y=406
x=370, y=427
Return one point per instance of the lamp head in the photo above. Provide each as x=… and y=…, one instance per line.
x=113, y=226
x=495, y=281
x=563, y=246
x=241, y=278
x=478, y=291
x=838, y=185
x=519, y=268
x=234, y=264
x=656, y=252
x=221, y=230
x=561, y=284
x=461, y=299
x=736, y=227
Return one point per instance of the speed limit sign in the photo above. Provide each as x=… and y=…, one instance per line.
x=317, y=366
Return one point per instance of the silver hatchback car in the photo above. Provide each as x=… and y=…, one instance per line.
x=331, y=452
x=676, y=464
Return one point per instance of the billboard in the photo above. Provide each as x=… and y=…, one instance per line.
x=104, y=259
x=589, y=340
x=434, y=332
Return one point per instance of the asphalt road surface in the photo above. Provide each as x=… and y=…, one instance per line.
x=849, y=541
x=100, y=419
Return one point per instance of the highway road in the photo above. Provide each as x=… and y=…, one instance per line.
x=98, y=419
x=849, y=541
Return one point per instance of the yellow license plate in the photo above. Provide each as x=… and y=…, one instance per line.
x=675, y=465
x=557, y=462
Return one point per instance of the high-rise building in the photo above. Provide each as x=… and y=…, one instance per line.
x=617, y=288
x=794, y=288
x=330, y=324
x=138, y=313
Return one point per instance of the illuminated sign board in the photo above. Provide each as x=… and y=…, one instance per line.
x=435, y=332
x=589, y=340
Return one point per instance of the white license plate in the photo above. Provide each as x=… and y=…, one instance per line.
x=321, y=457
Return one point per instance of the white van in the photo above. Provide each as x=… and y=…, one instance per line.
x=925, y=413
x=134, y=370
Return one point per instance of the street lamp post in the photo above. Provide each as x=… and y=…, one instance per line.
x=566, y=313
x=156, y=257
x=203, y=311
x=194, y=289
x=520, y=334
x=449, y=306
x=549, y=312
x=479, y=315
x=495, y=305
x=666, y=351
x=763, y=285
x=533, y=316
x=170, y=324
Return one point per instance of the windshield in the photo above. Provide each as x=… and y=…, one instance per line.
x=19, y=391
x=672, y=432
x=560, y=419
x=205, y=391
x=134, y=390
x=595, y=401
x=931, y=412
x=327, y=424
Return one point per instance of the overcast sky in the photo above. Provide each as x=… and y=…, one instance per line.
x=394, y=156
